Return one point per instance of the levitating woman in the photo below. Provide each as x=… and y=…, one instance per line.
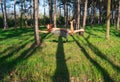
x=62, y=31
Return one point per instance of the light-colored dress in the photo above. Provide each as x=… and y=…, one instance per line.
x=62, y=33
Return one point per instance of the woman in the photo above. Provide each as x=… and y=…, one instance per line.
x=62, y=31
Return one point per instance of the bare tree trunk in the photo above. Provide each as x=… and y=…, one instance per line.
x=85, y=13
x=66, y=14
x=74, y=13
x=55, y=13
x=51, y=11
x=118, y=19
x=2, y=11
x=108, y=20
x=94, y=12
x=101, y=12
x=112, y=13
x=15, y=13
x=60, y=11
x=21, y=15
x=44, y=12
x=25, y=14
x=5, y=15
x=78, y=19
x=36, y=29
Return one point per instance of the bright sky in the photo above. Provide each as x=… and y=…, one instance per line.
x=10, y=9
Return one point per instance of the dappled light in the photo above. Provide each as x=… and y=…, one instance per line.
x=59, y=40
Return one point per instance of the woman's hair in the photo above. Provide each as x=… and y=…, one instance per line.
x=49, y=27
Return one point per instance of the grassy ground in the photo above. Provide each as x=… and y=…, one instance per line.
x=81, y=59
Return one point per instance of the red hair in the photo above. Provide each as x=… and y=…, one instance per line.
x=49, y=27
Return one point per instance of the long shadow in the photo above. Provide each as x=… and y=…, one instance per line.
x=7, y=67
x=116, y=33
x=101, y=55
x=5, y=50
x=11, y=47
x=15, y=50
x=104, y=73
x=61, y=73
x=14, y=33
x=95, y=35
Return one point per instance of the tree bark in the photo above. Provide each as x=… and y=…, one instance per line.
x=78, y=19
x=21, y=15
x=66, y=14
x=5, y=15
x=55, y=13
x=85, y=13
x=118, y=19
x=15, y=14
x=51, y=11
x=2, y=11
x=108, y=20
x=36, y=29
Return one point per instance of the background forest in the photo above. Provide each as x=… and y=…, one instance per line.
x=18, y=13
x=27, y=55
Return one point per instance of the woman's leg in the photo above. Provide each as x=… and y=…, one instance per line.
x=71, y=25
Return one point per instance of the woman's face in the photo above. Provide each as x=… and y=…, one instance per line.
x=48, y=26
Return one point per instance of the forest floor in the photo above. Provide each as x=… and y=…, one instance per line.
x=88, y=58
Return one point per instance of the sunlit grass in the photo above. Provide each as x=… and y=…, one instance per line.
x=89, y=58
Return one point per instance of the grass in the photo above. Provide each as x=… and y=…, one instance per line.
x=91, y=58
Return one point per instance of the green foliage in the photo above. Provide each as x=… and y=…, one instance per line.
x=60, y=20
x=88, y=59
x=43, y=21
x=24, y=21
x=1, y=22
x=11, y=22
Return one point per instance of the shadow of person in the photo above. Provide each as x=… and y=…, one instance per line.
x=104, y=72
x=61, y=72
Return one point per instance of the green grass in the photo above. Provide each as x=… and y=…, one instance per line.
x=91, y=58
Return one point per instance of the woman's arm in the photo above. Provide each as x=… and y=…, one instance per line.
x=80, y=30
x=62, y=29
x=43, y=31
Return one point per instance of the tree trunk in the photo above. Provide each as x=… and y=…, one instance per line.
x=101, y=12
x=51, y=10
x=44, y=12
x=55, y=13
x=118, y=19
x=21, y=15
x=5, y=15
x=108, y=20
x=66, y=14
x=15, y=14
x=60, y=11
x=85, y=13
x=74, y=13
x=2, y=12
x=36, y=29
x=78, y=19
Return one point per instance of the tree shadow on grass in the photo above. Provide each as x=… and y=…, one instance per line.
x=61, y=73
x=101, y=55
x=10, y=54
x=95, y=35
x=8, y=66
x=116, y=33
x=14, y=33
x=104, y=73
x=10, y=48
